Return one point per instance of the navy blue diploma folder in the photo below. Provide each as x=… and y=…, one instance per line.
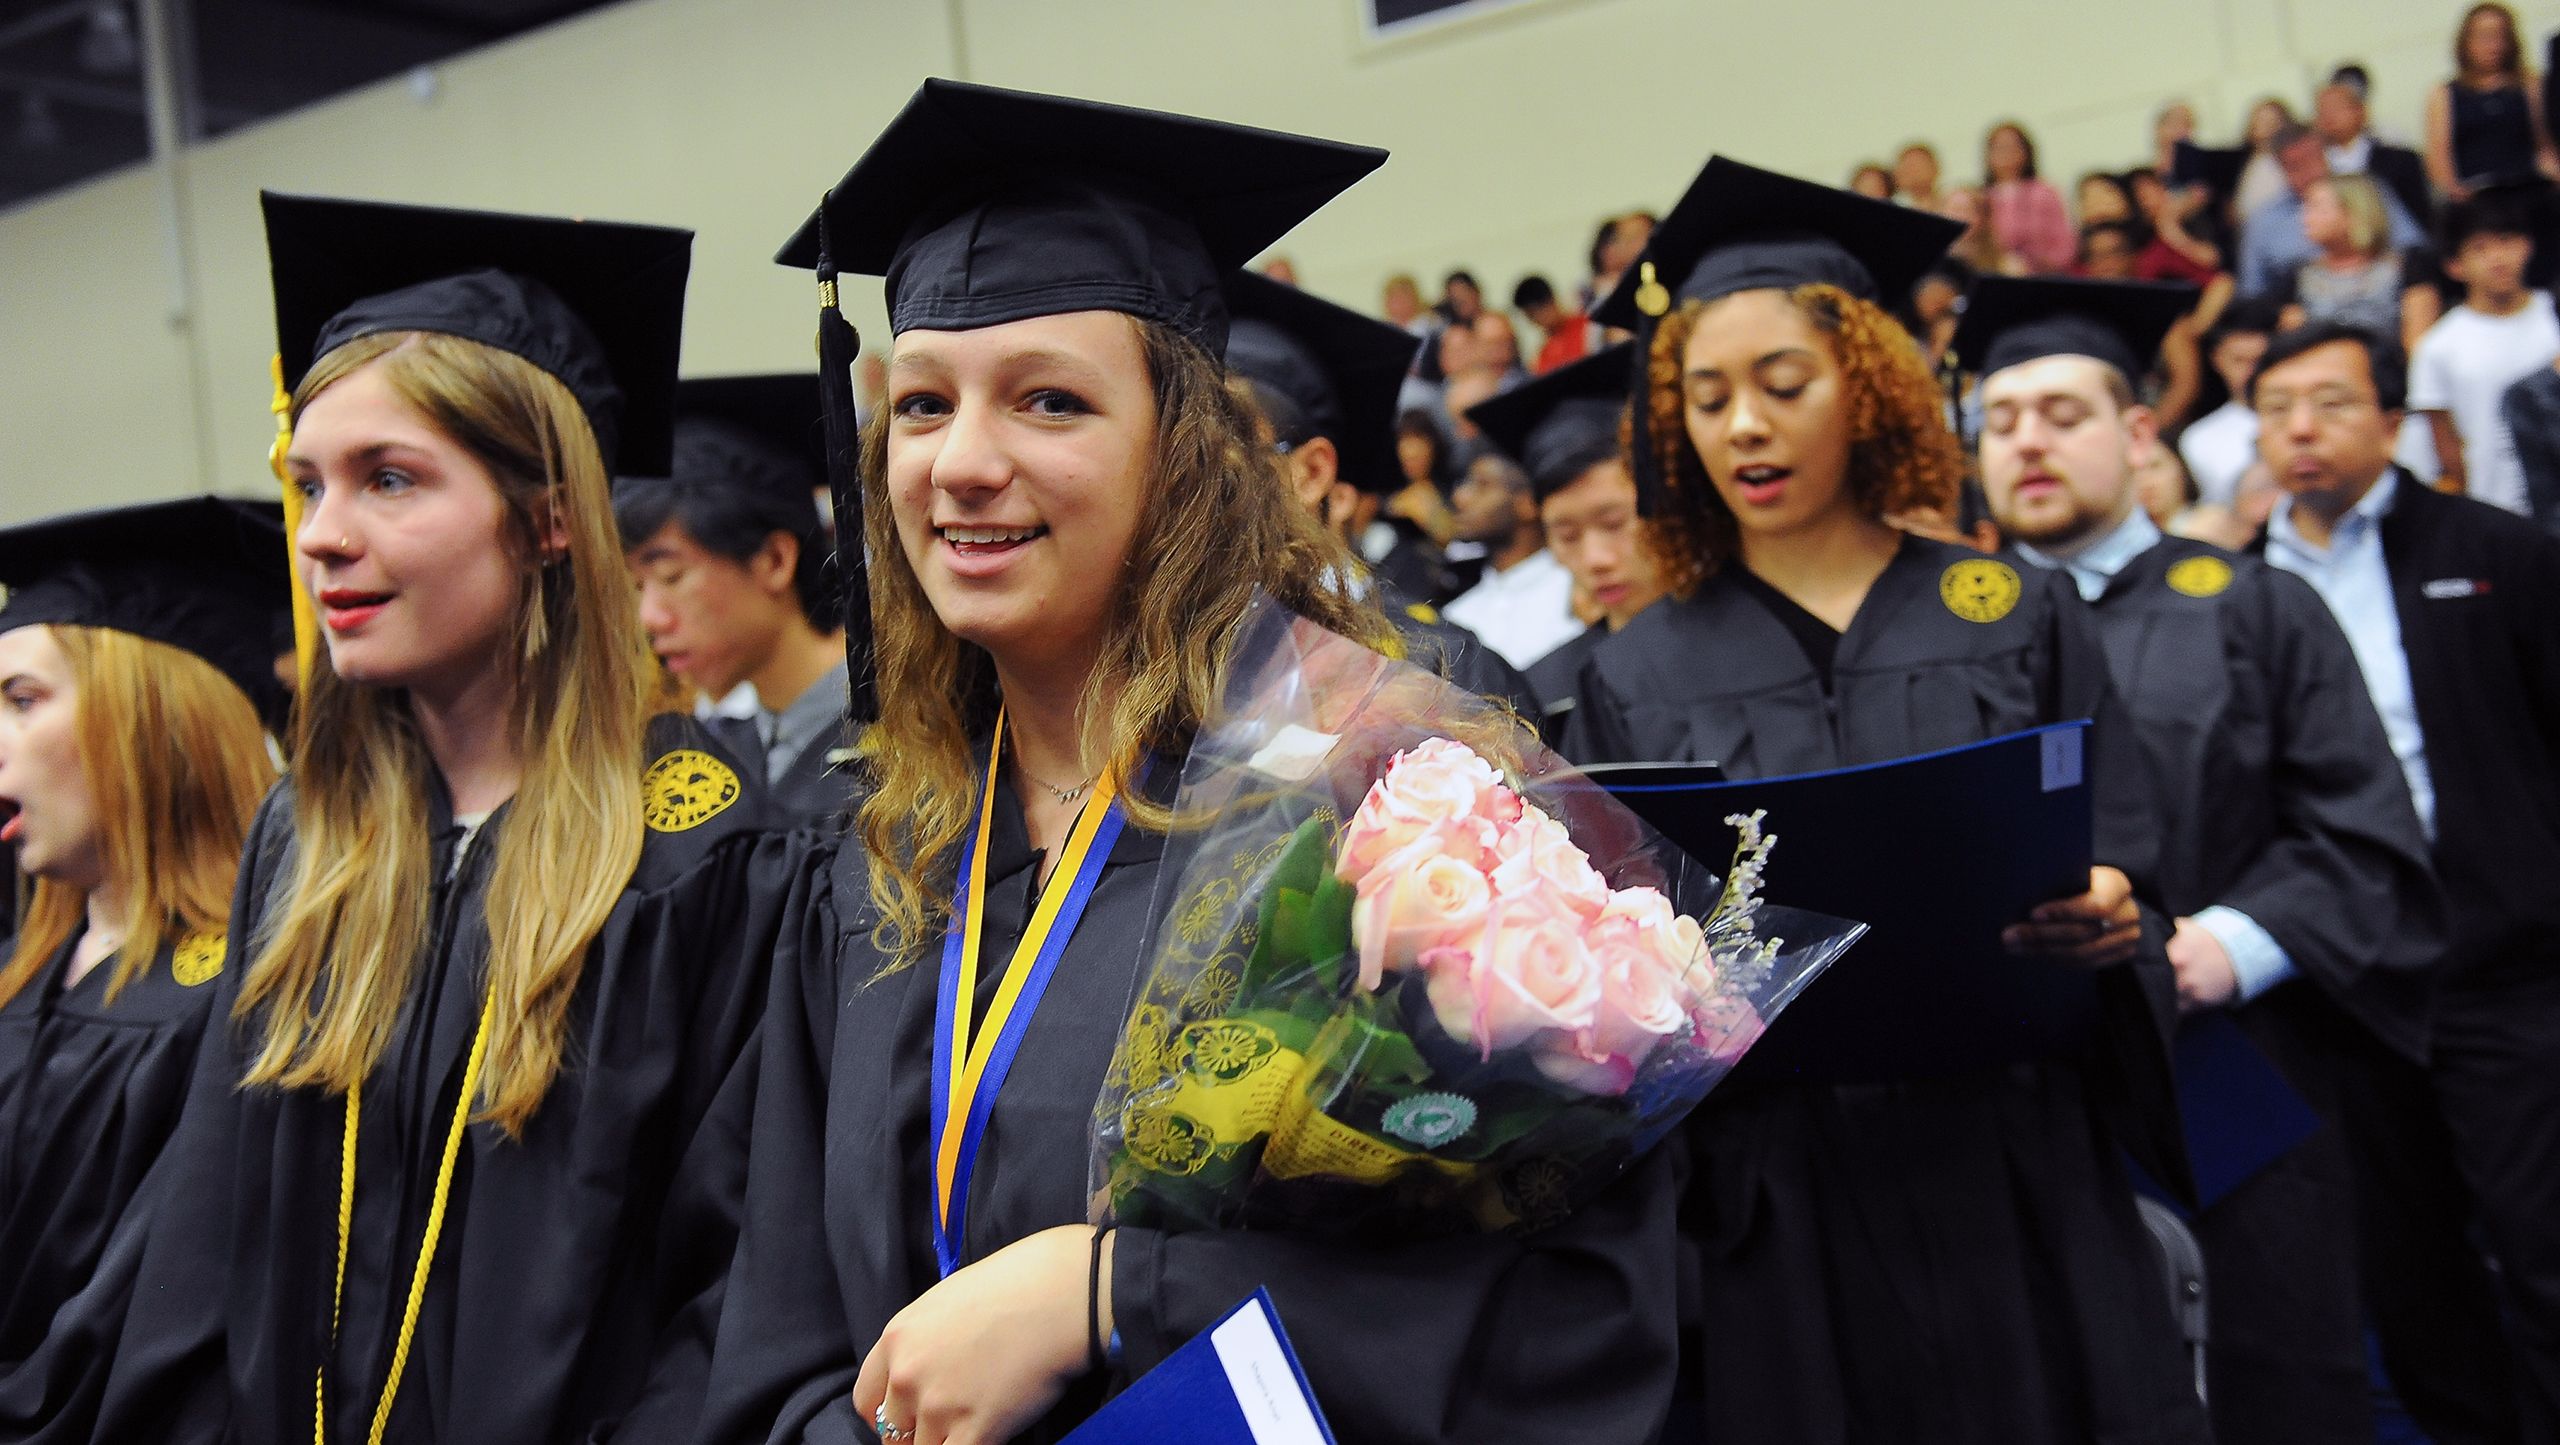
x=1235, y=1383
x=1937, y=854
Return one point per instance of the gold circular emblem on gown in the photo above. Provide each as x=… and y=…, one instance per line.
x=686, y=789
x=197, y=958
x=1980, y=590
x=2200, y=576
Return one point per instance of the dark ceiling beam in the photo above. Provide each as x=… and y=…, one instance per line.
x=98, y=96
x=43, y=22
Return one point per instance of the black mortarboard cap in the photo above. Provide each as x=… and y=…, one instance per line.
x=2011, y=320
x=1740, y=228
x=1337, y=371
x=982, y=206
x=596, y=304
x=2216, y=168
x=206, y=575
x=758, y=433
x=1564, y=423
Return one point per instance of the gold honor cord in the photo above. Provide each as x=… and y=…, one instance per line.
x=306, y=626
x=426, y=1245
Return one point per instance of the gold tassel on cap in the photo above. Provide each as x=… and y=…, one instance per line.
x=1652, y=298
x=306, y=625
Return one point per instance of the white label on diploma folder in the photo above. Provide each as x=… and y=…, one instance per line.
x=2062, y=758
x=1267, y=1390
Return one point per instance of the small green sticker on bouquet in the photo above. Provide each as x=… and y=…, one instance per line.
x=1430, y=1120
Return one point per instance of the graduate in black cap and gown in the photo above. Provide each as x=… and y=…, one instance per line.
x=738, y=581
x=1929, y=1259
x=1326, y=378
x=2291, y=858
x=133, y=664
x=501, y=937
x=1069, y=514
x=1564, y=429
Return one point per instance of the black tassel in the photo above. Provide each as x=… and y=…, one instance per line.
x=838, y=346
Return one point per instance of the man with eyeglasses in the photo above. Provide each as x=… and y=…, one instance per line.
x=2453, y=609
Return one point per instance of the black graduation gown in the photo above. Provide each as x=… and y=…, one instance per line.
x=565, y=1254
x=1567, y=1335
x=816, y=791
x=2279, y=797
x=1930, y=1261
x=1434, y=642
x=89, y=1092
x=1557, y=680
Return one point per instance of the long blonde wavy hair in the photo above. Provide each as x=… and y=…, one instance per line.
x=175, y=762
x=1219, y=523
x=339, y=951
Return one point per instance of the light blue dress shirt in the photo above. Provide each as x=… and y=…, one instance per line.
x=2258, y=962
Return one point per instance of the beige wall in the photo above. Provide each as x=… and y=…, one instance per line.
x=132, y=367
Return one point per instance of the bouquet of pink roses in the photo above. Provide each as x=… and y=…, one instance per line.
x=1417, y=976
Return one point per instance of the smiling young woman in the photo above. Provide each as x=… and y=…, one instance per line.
x=1069, y=513
x=502, y=934
x=131, y=760
x=1932, y=1259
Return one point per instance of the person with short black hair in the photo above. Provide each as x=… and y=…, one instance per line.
x=2504, y=331
x=1570, y=336
x=738, y=583
x=2222, y=445
x=2449, y=606
x=1523, y=604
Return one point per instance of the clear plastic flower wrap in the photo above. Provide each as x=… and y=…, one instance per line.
x=1416, y=975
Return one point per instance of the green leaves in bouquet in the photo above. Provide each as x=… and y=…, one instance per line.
x=1304, y=922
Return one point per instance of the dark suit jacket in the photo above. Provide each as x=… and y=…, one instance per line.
x=2402, y=171
x=2478, y=593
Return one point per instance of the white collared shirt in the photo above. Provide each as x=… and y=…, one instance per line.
x=2350, y=575
x=1523, y=612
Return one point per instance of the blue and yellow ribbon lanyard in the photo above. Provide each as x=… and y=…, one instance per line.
x=969, y=1066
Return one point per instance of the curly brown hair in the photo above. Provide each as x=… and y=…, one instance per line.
x=1902, y=456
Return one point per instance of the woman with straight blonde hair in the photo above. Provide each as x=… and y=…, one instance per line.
x=502, y=934
x=131, y=761
x=2355, y=275
x=1069, y=515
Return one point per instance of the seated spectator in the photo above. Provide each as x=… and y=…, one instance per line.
x=1915, y=176
x=2355, y=277
x=1497, y=346
x=2221, y=446
x=1620, y=242
x=1570, y=335
x=1523, y=605
x=1872, y=180
x=2262, y=178
x=2103, y=196
x=1937, y=306
x=1282, y=270
x=1461, y=299
x=2339, y=115
x=2026, y=217
x=2176, y=122
x=2532, y=412
x=2503, y=332
x=2167, y=494
x=2107, y=251
x=1402, y=303
x=2272, y=244
x=2174, y=252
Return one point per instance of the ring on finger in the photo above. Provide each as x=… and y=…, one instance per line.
x=890, y=1434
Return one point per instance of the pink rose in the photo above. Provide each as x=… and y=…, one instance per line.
x=1526, y=974
x=1673, y=937
x=1414, y=900
x=1641, y=1004
x=1438, y=787
x=1534, y=857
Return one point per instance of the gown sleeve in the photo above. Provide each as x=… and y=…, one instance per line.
x=782, y=1350
x=1567, y=1334
x=2345, y=886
